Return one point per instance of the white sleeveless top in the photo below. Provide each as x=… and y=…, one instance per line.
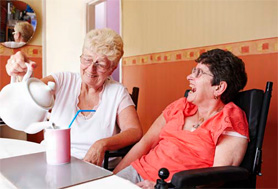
x=85, y=130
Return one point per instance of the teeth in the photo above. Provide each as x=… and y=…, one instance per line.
x=193, y=89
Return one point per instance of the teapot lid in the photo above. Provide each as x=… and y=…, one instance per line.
x=41, y=93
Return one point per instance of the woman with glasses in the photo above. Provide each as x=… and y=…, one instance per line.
x=115, y=123
x=203, y=130
x=23, y=32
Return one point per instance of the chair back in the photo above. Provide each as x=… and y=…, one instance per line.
x=255, y=104
x=134, y=95
x=250, y=102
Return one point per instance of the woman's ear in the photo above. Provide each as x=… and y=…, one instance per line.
x=19, y=37
x=220, y=89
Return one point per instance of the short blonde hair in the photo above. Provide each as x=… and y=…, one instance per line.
x=107, y=42
x=25, y=29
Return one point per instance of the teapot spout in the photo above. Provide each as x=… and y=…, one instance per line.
x=37, y=127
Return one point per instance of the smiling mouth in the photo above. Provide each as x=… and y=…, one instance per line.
x=193, y=89
x=91, y=75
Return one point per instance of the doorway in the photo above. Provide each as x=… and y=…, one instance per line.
x=101, y=14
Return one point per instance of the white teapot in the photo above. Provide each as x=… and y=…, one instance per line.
x=24, y=105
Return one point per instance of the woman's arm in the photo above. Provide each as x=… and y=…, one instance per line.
x=149, y=141
x=47, y=79
x=230, y=150
x=131, y=132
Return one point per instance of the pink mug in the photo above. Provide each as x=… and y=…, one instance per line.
x=57, y=145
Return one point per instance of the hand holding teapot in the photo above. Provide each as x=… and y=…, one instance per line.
x=25, y=104
x=16, y=65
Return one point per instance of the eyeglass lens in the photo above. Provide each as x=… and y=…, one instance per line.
x=196, y=72
x=96, y=64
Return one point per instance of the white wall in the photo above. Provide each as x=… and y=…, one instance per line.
x=65, y=30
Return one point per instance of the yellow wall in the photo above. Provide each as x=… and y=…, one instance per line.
x=163, y=25
x=37, y=7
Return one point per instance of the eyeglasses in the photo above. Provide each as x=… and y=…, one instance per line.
x=100, y=65
x=197, y=72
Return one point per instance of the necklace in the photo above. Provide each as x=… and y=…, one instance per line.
x=201, y=120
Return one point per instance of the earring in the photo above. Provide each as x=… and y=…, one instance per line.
x=215, y=97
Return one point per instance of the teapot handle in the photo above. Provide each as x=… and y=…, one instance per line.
x=26, y=76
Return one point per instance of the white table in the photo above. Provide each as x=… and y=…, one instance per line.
x=12, y=148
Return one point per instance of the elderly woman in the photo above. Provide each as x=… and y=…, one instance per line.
x=203, y=130
x=23, y=31
x=115, y=123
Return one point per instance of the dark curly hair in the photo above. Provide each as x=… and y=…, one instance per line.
x=225, y=67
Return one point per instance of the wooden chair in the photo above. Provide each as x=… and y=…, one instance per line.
x=121, y=152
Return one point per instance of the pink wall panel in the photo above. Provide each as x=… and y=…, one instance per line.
x=113, y=22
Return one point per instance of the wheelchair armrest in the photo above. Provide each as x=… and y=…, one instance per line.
x=207, y=176
x=119, y=153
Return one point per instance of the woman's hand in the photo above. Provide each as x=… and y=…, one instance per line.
x=95, y=154
x=16, y=64
x=146, y=184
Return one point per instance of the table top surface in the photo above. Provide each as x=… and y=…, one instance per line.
x=13, y=148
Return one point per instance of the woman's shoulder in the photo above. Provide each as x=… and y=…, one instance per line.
x=13, y=44
x=234, y=117
x=113, y=85
x=232, y=108
x=231, y=113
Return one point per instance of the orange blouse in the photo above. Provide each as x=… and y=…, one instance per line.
x=180, y=149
